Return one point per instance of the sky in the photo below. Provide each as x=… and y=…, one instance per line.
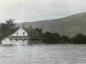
x=35, y=10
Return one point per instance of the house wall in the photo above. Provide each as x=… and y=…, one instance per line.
x=5, y=41
x=20, y=32
x=8, y=41
x=21, y=36
x=19, y=41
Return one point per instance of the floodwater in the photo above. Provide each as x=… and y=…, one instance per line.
x=43, y=54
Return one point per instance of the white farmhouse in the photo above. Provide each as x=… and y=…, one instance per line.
x=23, y=36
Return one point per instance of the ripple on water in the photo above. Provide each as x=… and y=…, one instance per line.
x=43, y=54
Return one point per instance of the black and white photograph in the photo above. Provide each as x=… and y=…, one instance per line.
x=42, y=31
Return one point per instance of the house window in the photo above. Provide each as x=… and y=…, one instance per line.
x=23, y=33
x=10, y=39
x=17, y=33
x=15, y=39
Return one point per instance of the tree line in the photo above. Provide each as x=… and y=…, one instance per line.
x=50, y=38
x=55, y=38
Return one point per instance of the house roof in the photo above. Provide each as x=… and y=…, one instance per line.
x=31, y=31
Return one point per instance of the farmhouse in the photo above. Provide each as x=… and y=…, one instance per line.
x=24, y=36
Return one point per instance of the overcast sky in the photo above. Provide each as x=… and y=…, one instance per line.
x=33, y=10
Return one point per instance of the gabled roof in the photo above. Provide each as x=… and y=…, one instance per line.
x=32, y=31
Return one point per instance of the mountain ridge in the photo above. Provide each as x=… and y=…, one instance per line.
x=69, y=26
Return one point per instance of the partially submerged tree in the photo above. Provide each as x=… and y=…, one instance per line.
x=7, y=28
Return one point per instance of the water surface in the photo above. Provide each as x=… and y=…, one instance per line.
x=43, y=54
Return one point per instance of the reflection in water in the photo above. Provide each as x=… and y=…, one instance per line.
x=43, y=54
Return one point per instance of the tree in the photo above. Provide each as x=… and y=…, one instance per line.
x=51, y=38
x=10, y=24
x=65, y=39
x=7, y=28
x=79, y=39
x=39, y=30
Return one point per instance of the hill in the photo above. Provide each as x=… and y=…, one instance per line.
x=69, y=26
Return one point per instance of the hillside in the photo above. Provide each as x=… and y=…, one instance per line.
x=70, y=25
